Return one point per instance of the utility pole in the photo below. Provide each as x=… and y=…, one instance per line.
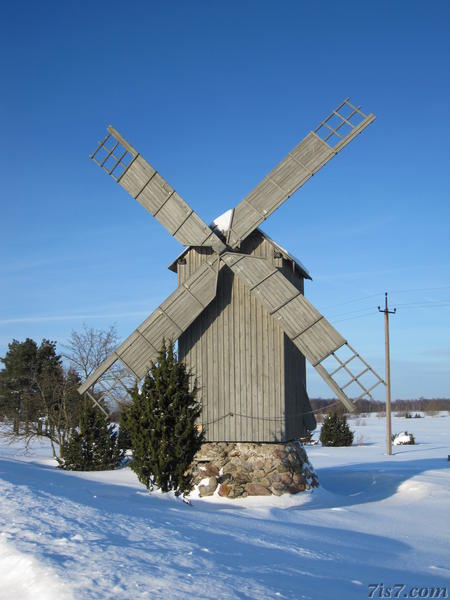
x=387, y=312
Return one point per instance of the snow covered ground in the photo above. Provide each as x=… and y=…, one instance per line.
x=101, y=535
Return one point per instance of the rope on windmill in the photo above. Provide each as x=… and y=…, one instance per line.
x=255, y=418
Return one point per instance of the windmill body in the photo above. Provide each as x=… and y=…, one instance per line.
x=251, y=377
x=239, y=312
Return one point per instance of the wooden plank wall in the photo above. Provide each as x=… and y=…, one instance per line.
x=299, y=417
x=244, y=363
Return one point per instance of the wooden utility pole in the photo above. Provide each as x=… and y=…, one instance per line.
x=387, y=312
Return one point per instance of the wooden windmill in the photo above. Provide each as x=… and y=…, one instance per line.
x=239, y=313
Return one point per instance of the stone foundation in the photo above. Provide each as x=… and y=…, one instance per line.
x=238, y=469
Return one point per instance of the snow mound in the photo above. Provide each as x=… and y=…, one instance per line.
x=23, y=577
x=402, y=438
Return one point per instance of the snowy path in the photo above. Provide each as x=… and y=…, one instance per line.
x=101, y=535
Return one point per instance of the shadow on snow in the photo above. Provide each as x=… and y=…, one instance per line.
x=271, y=547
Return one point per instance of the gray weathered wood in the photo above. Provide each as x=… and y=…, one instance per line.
x=156, y=195
x=310, y=155
x=168, y=321
x=305, y=326
x=308, y=330
x=243, y=324
x=251, y=382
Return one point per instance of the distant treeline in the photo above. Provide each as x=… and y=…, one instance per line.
x=369, y=406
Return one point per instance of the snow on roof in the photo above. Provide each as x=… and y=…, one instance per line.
x=223, y=222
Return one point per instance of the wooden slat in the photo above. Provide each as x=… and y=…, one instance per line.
x=156, y=195
x=310, y=155
x=194, y=228
x=285, y=179
x=242, y=372
x=168, y=321
x=137, y=176
x=157, y=327
x=310, y=332
x=93, y=377
x=335, y=387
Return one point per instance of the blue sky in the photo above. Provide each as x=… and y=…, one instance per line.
x=214, y=94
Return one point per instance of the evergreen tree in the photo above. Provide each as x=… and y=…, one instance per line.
x=37, y=395
x=161, y=422
x=335, y=431
x=28, y=368
x=94, y=445
x=16, y=386
x=124, y=435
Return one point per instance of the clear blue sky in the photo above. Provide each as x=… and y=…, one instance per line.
x=214, y=94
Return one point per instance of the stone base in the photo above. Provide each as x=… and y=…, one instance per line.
x=238, y=469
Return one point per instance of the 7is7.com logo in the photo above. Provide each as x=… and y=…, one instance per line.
x=400, y=590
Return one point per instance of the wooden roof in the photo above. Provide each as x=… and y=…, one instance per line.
x=303, y=271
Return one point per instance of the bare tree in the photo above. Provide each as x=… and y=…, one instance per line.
x=88, y=348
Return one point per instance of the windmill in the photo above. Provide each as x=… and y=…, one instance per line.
x=239, y=312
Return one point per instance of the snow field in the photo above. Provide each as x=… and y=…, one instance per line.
x=99, y=535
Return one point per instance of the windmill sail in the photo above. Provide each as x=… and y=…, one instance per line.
x=324, y=347
x=310, y=331
x=124, y=163
x=168, y=321
x=311, y=154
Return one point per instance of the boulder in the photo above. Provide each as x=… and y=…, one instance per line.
x=208, y=489
x=256, y=489
x=211, y=470
x=254, y=469
x=224, y=490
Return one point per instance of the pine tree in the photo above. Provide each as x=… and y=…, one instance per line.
x=161, y=422
x=124, y=438
x=94, y=445
x=28, y=370
x=335, y=431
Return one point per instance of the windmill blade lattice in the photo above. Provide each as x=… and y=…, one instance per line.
x=344, y=123
x=129, y=168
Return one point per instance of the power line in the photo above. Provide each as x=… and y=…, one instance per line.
x=368, y=311
x=352, y=300
x=428, y=304
x=352, y=312
x=441, y=287
x=366, y=314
